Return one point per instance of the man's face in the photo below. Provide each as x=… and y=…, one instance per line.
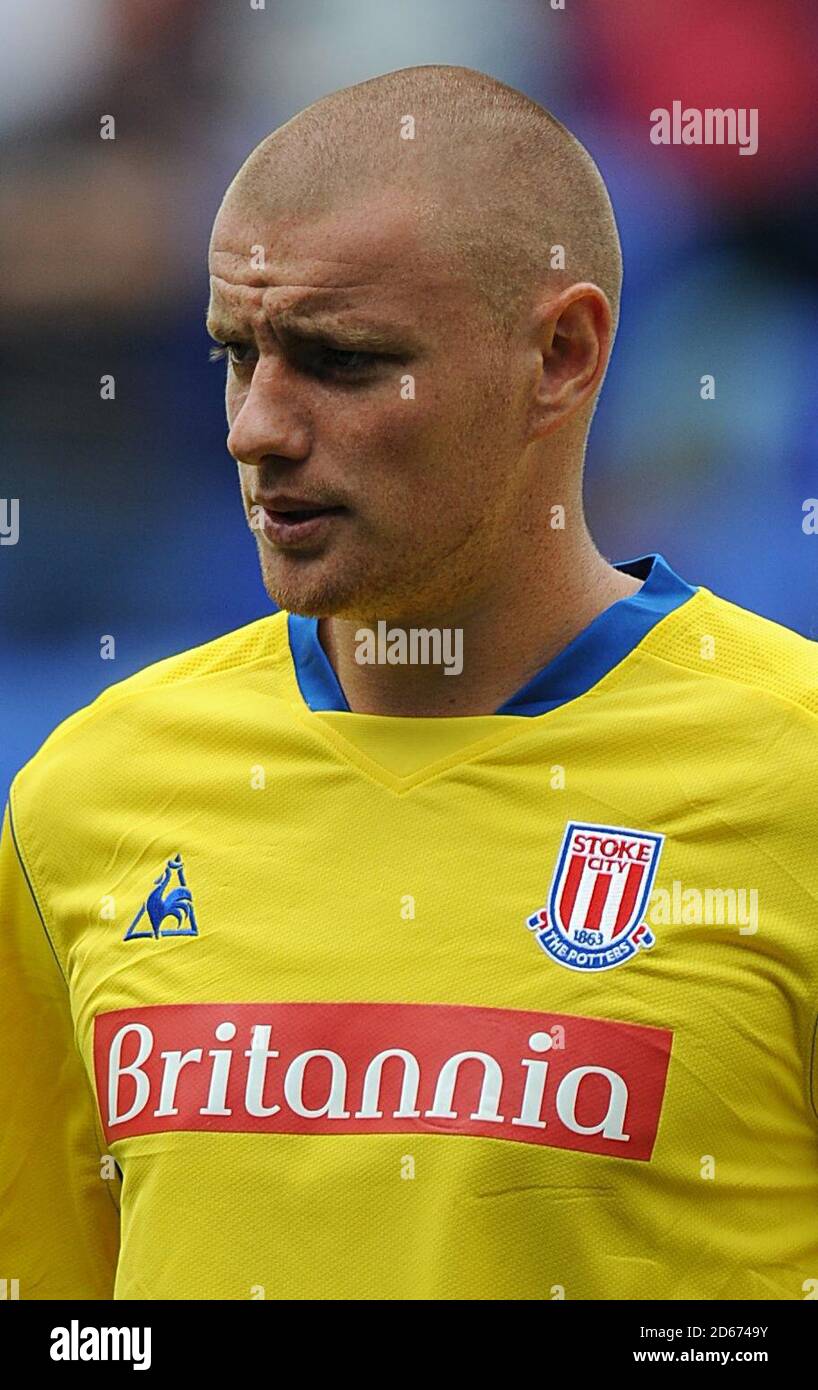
x=376, y=425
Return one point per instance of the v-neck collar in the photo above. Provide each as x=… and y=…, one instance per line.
x=594, y=652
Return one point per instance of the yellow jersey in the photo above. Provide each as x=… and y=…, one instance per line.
x=300, y=1003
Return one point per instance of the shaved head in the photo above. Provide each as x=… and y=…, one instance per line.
x=494, y=179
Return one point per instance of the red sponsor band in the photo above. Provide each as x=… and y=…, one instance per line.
x=534, y=1078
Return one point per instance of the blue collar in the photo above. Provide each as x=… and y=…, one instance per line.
x=591, y=655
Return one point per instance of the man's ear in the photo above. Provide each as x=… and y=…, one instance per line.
x=572, y=333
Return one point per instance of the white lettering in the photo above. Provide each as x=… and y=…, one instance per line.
x=611, y=1124
x=489, y=1091
x=259, y=1053
x=134, y=1069
x=370, y=1093
x=333, y=1107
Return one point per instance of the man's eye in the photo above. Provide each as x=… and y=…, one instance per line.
x=345, y=361
x=321, y=359
x=237, y=354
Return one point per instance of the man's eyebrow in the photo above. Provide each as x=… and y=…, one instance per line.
x=303, y=323
x=221, y=330
x=306, y=324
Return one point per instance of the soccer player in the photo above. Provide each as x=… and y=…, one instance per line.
x=452, y=932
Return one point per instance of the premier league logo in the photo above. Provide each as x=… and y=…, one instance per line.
x=599, y=892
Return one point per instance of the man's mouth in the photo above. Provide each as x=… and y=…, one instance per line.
x=295, y=521
x=291, y=515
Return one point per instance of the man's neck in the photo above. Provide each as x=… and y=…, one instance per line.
x=504, y=641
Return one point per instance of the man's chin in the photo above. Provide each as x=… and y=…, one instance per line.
x=331, y=587
x=310, y=590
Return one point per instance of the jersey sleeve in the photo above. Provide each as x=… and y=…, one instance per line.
x=59, y=1217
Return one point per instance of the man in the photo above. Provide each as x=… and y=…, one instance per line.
x=451, y=933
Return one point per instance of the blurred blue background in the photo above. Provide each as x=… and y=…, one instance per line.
x=130, y=518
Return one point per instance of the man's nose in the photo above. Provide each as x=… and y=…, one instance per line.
x=268, y=419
